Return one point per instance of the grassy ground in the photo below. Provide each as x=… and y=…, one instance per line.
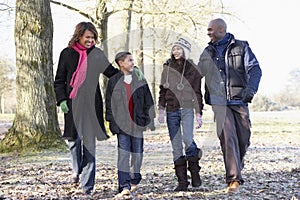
x=271, y=169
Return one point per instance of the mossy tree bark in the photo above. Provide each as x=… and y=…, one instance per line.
x=35, y=125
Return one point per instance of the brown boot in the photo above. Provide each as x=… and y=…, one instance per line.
x=194, y=168
x=181, y=173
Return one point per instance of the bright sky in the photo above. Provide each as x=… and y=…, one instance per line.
x=266, y=25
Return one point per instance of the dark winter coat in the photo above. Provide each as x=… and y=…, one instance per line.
x=117, y=112
x=87, y=106
x=227, y=75
x=190, y=97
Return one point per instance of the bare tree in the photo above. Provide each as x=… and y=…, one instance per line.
x=129, y=21
x=140, y=53
x=290, y=95
x=179, y=17
x=7, y=79
x=153, y=54
x=100, y=19
x=35, y=125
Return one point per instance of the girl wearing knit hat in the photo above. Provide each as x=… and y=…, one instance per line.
x=179, y=95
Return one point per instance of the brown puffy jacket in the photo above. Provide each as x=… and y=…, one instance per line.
x=172, y=98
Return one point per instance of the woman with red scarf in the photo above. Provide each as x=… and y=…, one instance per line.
x=78, y=94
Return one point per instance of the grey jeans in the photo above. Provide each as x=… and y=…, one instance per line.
x=233, y=129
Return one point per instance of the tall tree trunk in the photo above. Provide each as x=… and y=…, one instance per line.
x=1, y=104
x=102, y=22
x=140, y=56
x=128, y=26
x=153, y=59
x=35, y=125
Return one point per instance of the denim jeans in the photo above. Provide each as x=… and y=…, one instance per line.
x=129, y=168
x=83, y=160
x=181, y=126
x=76, y=155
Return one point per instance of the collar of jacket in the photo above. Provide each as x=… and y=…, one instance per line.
x=121, y=74
x=231, y=41
x=224, y=40
x=178, y=65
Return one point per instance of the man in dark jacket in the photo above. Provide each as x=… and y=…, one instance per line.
x=232, y=75
x=129, y=110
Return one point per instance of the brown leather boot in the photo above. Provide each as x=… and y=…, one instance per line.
x=181, y=173
x=194, y=168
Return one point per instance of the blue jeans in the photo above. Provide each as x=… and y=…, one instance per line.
x=129, y=170
x=181, y=126
x=83, y=160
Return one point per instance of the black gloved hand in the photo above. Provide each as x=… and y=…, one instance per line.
x=247, y=95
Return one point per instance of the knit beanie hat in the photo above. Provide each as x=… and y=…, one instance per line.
x=185, y=45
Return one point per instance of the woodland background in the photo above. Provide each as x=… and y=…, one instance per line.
x=34, y=162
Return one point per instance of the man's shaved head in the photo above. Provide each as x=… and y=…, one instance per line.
x=216, y=29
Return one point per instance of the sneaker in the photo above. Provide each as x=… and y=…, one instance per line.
x=75, y=178
x=233, y=187
x=124, y=193
x=133, y=187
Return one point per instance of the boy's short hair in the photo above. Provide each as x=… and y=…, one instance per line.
x=121, y=56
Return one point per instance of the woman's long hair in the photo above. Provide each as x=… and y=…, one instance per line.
x=79, y=31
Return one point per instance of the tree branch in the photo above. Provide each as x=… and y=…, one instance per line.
x=75, y=9
x=5, y=7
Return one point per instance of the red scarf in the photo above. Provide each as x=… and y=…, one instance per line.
x=79, y=75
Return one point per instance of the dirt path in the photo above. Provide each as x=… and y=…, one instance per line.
x=272, y=169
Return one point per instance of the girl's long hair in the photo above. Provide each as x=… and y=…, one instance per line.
x=79, y=31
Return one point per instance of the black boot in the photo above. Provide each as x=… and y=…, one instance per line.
x=194, y=168
x=181, y=173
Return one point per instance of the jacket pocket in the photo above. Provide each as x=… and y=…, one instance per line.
x=236, y=93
